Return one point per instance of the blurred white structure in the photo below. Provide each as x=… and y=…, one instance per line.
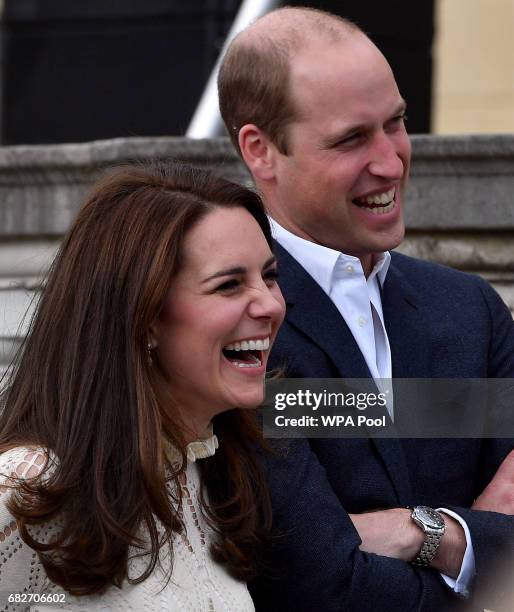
x=206, y=121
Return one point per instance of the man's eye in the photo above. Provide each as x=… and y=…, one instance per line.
x=396, y=123
x=227, y=286
x=350, y=140
x=401, y=118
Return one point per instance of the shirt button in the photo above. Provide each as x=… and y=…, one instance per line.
x=361, y=321
x=350, y=269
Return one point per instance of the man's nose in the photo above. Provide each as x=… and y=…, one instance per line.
x=385, y=159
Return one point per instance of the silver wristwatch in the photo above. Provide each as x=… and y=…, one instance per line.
x=433, y=527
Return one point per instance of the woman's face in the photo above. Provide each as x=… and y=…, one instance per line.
x=220, y=317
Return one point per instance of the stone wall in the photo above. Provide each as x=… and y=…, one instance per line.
x=459, y=206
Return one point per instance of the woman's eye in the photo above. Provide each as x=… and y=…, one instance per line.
x=227, y=286
x=271, y=276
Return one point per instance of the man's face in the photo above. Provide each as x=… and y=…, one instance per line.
x=342, y=182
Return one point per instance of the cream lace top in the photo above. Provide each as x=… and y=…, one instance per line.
x=197, y=584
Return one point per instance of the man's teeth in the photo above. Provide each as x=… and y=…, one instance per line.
x=381, y=210
x=378, y=203
x=380, y=198
x=249, y=345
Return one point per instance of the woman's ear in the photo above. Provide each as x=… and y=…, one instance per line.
x=152, y=341
x=258, y=151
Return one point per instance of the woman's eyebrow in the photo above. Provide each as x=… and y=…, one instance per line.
x=269, y=262
x=227, y=272
x=238, y=270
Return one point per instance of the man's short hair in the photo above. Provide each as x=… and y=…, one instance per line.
x=254, y=77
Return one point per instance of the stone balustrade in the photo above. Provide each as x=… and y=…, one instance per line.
x=460, y=209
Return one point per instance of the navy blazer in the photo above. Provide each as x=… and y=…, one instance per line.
x=441, y=323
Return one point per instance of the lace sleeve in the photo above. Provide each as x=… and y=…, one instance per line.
x=20, y=567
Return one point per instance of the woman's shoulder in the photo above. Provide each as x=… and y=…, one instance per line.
x=23, y=462
x=20, y=567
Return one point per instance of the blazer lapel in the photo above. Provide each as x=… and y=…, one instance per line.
x=407, y=327
x=310, y=310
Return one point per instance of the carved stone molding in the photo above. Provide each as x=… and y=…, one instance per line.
x=459, y=211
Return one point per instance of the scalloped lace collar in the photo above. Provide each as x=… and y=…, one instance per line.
x=199, y=449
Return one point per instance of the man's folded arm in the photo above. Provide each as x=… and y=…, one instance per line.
x=314, y=560
x=491, y=524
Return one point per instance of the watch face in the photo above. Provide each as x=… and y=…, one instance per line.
x=430, y=517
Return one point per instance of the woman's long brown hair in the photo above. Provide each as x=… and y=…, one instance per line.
x=83, y=387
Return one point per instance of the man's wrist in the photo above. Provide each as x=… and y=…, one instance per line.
x=415, y=537
x=463, y=583
x=389, y=533
x=450, y=553
x=449, y=556
x=432, y=525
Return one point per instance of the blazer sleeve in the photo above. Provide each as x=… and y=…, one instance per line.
x=492, y=533
x=501, y=353
x=313, y=560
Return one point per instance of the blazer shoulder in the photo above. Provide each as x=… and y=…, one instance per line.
x=433, y=280
x=454, y=295
x=422, y=271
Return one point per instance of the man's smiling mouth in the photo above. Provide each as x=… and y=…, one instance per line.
x=247, y=353
x=378, y=203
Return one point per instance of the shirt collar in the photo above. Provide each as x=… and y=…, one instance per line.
x=382, y=263
x=321, y=261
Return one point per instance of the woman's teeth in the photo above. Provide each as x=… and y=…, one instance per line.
x=254, y=362
x=240, y=353
x=249, y=345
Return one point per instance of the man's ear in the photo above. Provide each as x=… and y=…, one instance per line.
x=258, y=151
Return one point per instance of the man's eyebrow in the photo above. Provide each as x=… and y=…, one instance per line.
x=401, y=108
x=332, y=141
x=238, y=270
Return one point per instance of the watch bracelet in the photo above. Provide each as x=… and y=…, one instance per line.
x=428, y=550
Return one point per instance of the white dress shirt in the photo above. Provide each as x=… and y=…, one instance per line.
x=358, y=300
